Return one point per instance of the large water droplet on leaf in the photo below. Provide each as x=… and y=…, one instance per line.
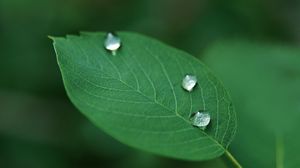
x=112, y=43
x=200, y=119
x=189, y=82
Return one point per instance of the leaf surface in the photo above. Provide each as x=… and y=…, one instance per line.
x=136, y=95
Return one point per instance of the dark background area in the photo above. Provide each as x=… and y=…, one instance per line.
x=40, y=128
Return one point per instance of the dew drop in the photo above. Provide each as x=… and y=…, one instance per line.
x=200, y=119
x=189, y=82
x=112, y=43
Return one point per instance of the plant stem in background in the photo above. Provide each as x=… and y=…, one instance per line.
x=279, y=152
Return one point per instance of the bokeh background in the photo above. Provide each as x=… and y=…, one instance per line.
x=40, y=128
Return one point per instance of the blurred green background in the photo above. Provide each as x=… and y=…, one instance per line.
x=40, y=128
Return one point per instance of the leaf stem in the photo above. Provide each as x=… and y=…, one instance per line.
x=232, y=159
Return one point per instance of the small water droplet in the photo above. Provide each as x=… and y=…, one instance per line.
x=189, y=82
x=112, y=43
x=200, y=119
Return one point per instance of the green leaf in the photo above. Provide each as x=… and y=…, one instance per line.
x=264, y=81
x=136, y=96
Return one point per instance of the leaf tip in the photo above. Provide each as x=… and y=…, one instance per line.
x=51, y=37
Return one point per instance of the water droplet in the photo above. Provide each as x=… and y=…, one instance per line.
x=112, y=43
x=200, y=119
x=189, y=82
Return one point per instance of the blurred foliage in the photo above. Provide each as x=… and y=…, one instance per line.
x=264, y=81
x=38, y=125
